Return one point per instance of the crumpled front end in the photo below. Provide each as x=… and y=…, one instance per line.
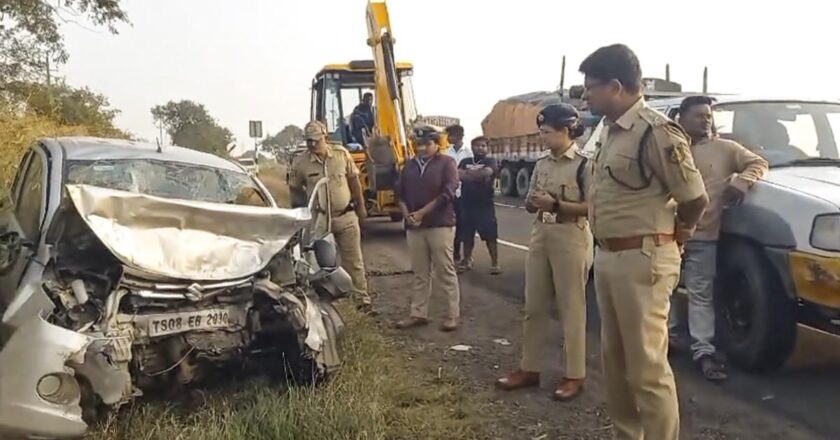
x=39, y=395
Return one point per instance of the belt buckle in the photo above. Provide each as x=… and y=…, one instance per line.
x=548, y=217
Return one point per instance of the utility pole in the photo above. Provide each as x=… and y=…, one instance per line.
x=49, y=77
x=706, y=80
x=49, y=81
x=667, y=72
x=563, y=76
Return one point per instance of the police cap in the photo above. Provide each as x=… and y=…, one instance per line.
x=425, y=133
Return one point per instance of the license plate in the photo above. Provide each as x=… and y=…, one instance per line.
x=210, y=319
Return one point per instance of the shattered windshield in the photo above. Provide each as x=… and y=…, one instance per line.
x=782, y=132
x=168, y=179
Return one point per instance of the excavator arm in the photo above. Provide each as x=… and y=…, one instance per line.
x=391, y=122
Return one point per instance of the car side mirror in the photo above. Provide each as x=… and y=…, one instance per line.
x=325, y=254
x=10, y=245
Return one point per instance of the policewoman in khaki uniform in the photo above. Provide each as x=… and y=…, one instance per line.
x=559, y=254
x=646, y=196
x=345, y=200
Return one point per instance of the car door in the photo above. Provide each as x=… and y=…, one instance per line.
x=24, y=215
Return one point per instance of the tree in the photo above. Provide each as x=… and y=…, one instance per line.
x=190, y=125
x=29, y=32
x=65, y=105
x=286, y=138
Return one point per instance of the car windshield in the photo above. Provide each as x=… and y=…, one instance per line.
x=782, y=132
x=168, y=179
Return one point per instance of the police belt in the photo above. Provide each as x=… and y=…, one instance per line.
x=553, y=217
x=636, y=242
x=347, y=209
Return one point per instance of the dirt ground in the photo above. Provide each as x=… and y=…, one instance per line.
x=492, y=319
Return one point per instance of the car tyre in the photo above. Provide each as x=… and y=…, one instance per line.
x=507, y=181
x=756, y=319
x=523, y=182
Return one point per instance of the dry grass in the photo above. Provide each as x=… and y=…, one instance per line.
x=19, y=132
x=377, y=395
x=274, y=177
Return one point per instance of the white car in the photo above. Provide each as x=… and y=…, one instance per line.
x=249, y=164
x=779, y=253
x=125, y=269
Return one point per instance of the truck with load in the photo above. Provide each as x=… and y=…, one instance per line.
x=515, y=142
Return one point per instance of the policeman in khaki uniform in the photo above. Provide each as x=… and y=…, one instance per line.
x=559, y=254
x=646, y=196
x=345, y=200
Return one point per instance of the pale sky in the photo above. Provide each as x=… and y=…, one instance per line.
x=255, y=59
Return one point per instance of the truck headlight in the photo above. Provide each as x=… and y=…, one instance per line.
x=825, y=233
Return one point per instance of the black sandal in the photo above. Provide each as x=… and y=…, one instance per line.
x=712, y=370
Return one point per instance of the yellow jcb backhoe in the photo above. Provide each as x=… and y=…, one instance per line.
x=377, y=135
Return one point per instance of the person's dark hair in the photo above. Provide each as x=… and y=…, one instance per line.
x=615, y=62
x=455, y=130
x=560, y=116
x=692, y=101
x=367, y=95
x=479, y=139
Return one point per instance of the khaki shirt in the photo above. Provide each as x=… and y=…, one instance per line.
x=308, y=168
x=632, y=195
x=723, y=163
x=558, y=176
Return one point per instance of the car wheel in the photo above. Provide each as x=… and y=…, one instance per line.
x=523, y=182
x=756, y=320
x=507, y=181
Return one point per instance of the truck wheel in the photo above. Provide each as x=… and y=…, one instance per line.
x=523, y=181
x=507, y=181
x=756, y=320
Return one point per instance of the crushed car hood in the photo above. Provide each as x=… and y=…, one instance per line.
x=185, y=239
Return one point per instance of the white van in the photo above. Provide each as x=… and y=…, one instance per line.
x=779, y=251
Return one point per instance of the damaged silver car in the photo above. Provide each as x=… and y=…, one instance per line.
x=126, y=268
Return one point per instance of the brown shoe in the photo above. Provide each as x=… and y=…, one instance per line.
x=450, y=325
x=411, y=323
x=568, y=389
x=519, y=379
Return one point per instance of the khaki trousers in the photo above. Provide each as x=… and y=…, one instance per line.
x=348, y=237
x=557, y=267
x=634, y=291
x=431, y=260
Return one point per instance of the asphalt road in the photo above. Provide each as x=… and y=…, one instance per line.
x=806, y=393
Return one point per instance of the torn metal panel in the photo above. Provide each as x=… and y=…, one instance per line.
x=186, y=239
x=29, y=301
x=38, y=349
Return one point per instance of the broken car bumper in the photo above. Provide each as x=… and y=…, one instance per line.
x=39, y=396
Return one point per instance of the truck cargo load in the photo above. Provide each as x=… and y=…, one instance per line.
x=515, y=143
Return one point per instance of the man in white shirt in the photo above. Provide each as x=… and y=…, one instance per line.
x=458, y=151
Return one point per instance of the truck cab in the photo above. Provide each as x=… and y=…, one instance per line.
x=779, y=251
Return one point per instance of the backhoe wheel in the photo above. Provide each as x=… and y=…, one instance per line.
x=756, y=319
x=523, y=181
x=507, y=181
